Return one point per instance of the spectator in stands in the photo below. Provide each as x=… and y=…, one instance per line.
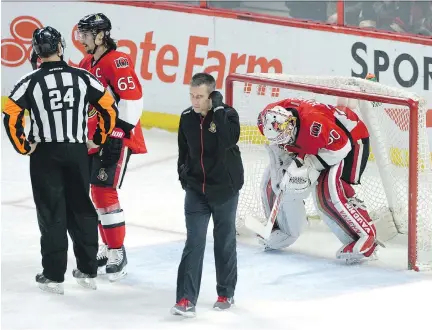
x=390, y=15
x=352, y=10
x=421, y=17
x=411, y=16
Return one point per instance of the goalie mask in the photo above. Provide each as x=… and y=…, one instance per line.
x=279, y=125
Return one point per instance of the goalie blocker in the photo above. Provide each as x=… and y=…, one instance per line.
x=331, y=148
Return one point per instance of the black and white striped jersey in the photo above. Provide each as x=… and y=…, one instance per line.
x=57, y=97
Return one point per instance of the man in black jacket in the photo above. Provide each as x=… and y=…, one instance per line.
x=211, y=172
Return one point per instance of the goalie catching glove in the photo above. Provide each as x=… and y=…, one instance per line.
x=301, y=175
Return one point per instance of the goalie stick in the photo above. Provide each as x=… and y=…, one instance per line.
x=264, y=230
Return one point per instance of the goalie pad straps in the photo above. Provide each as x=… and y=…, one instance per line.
x=336, y=199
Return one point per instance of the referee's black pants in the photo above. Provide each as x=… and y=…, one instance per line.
x=60, y=180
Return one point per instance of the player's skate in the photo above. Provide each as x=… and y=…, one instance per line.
x=116, y=265
x=223, y=303
x=102, y=258
x=85, y=280
x=48, y=285
x=184, y=308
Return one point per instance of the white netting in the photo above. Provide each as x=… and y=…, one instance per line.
x=385, y=182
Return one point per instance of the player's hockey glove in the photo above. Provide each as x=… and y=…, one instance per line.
x=217, y=100
x=110, y=151
x=183, y=171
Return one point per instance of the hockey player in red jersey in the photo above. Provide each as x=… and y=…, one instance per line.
x=325, y=148
x=115, y=71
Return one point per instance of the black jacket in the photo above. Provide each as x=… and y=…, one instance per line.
x=208, y=150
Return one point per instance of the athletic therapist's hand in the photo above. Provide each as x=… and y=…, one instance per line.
x=217, y=100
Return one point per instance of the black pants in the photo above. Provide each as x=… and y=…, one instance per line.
x=198, y=211
x=60, y=181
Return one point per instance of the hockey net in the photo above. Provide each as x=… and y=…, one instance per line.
x=397, y=182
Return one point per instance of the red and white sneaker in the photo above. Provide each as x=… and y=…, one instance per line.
x=184, y=308
x=223, y=303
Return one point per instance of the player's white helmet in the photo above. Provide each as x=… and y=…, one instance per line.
x=279, y=125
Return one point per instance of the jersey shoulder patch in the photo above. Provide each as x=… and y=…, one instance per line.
x=119, y=59
x=121, y=62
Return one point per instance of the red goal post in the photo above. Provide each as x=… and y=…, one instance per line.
x=360, y=89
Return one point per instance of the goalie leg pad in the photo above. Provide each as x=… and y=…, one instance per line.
x=338, y=230
x=291, y=220
x=277, y=240
x=336, y=199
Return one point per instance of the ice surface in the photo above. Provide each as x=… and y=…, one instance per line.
x=302, y=287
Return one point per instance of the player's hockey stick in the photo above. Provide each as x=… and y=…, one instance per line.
x=264, y=230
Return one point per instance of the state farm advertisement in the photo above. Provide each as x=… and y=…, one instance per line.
x=169, y=47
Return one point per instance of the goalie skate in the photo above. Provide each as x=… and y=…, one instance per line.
x=85, y=280
x=49, y=286
x=355, y=258
x=116, y=265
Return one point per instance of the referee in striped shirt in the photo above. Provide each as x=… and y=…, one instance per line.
x=57, y=97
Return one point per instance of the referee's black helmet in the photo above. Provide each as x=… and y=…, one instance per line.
x=46, y=40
